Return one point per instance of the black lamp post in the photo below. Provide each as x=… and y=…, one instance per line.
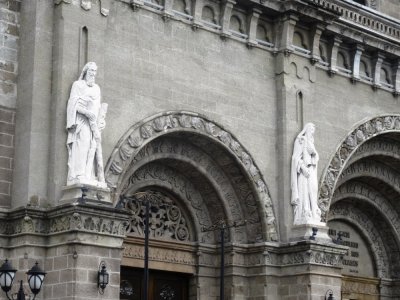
x=35, y=280
x=222, y=225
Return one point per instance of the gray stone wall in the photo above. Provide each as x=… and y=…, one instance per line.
x=9, y=36
x=390, y=7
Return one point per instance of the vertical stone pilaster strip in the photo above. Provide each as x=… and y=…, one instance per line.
x=197, y=11
x=336, y=41
x=396, y=77
x=377, y=65
x=317, y=32
x=226, y=17
x=289, y=23
x=358, y=50
x=253, y=22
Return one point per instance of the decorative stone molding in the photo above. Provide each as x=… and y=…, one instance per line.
x=364, y=192
x=357, y=137
x=158, y=254
x=64, y=219
x=151, y=128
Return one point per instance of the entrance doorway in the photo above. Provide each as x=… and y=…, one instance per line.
x=162, y=285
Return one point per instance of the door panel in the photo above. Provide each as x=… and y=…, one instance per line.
x=162, y=285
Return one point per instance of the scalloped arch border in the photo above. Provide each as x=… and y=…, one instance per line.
x=361, y=133
x=164, y=123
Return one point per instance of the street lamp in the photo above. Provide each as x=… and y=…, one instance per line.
x=35, y=280
x=102, y=277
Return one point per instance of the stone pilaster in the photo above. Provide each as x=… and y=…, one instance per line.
x=376, y=69
x=227, y=8
x=288, y=24
x=357, y=53
x=316, y=36
x=335, y=43
x=253, y=22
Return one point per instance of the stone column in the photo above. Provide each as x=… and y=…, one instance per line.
x=288, y=23
x=34, y=100
x=253, y=22
x=226, y=17
x=197, y=11
x=357, y=52
x=335, y=43
x=316, y=34
x=396, y=77
x=376, y=69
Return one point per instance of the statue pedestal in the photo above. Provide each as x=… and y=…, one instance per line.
x=305, y=231
x=93, y=194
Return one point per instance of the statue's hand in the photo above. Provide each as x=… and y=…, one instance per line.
x=305, y=172
x=91, y=116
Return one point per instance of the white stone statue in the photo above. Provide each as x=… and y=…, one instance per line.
x=85, y=121
x=304, y=178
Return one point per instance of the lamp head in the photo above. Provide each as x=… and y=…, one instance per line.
x=103, y=277
x=35, y=278
x=7, y=274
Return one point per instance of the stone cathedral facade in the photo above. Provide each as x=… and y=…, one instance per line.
x=205, y=100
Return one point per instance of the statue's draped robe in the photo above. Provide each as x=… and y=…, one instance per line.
x=80, y=142
x=305, y=190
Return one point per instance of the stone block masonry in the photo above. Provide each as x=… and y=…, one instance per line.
x=9, y=36
x=7, y=131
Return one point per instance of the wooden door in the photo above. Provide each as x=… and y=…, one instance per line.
x=162, y=285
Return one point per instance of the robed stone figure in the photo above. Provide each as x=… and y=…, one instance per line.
x=85, y=120
x=304, y=181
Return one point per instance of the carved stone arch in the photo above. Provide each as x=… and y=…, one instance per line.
x=365, y=226
x=178, y=185
x=363, y=192
x=176, y=122
x=362, y=133
x=371, y=169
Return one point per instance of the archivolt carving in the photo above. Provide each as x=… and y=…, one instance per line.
x=371, y=169
x=238, y=196
x=140, y=135
x=376, y=147
x=363, y=191
x=356, y=138
x=355, y=216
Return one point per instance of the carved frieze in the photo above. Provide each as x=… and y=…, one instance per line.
x=159, y=254
x=48, y=223
x=140, y=135
x=348, y=147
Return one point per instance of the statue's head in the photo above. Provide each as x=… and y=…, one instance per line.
x=309, y=129
x=89, y=72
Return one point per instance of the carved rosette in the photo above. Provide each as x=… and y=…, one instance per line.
x=140, y=135
x=356, y=138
